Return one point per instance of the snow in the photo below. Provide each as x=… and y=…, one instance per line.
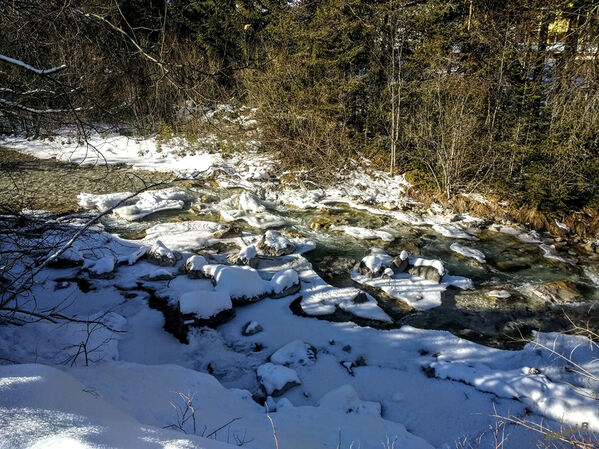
x=501, y=294
x=377, y=260
x=294, y=353
x=247, y=254
x=138, y=207
x=250, y=203
x=549, y=252
x=345, y=399
x=422, y=262
x=195, y=263
x=238, y=281
x=322, y=299
x=284, y=280
x=31, y=68
x=363, y=233
x=205, y=304
x=103, y=266
x=183, y=236
x=453, y=230
x=123, y=399
x=273, y=243
x=468, y=252
x=275, y=377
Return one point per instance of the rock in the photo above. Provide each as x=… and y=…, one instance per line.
x=274, y=244
x=205, y=308
x=360, y=298
x=427, y=272
x=246, y=256
x=558, y=292
x=208, y=199
x=276, y=379
x=375, y=263
x=284, y=283
x=159, y=254
x=227, y=233
x=331, y=266
x=400, y=263
x=321, y=223
x=194, y=265
x=251, y=328
x=511, y=266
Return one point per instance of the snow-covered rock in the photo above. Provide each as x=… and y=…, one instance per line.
x=284, y=283
x=375, y=263
x=206, y=307
x=430, y=269
x=70, y=258
x=251, y=328
x=247, y=256
x=345, y=399
x=294, y=353
x=242, y=283
x=277, y=379
x=159, y=254
x=274, y=244
x=194, y=265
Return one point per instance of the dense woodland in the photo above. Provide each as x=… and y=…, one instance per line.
x=464, y=95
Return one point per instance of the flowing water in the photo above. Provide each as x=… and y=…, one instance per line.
x=511, y=264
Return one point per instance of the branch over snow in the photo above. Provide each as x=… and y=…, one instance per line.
x=26, y=66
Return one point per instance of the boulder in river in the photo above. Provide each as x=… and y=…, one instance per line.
x=558, y=292
x=428, y=272
x=159, y=254
x=274, y=244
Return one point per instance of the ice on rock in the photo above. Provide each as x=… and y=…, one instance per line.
x=363, y=233
x=242, y=283
x=549, y=252
x=250, y=203
x=345, y=399
x=204, y=304
x=102, y=202
x=453, y=230
x=285, y=283
x=134, y=257
x=468, y=252
x=183, y=236
x=276, y=379
x=273, y=243
x=295, y=353
x=500, y=294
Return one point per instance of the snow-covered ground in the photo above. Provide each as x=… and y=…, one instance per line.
x=276, y=364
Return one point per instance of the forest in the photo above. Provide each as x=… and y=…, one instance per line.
x=463, y=95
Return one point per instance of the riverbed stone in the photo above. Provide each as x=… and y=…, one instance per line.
x=558, y=292
x=426, y=272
